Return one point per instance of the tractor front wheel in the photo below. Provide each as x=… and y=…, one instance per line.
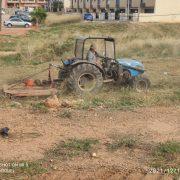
x=141, y=84
x=85, y=78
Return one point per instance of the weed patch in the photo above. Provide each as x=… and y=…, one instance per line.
x=40, y=107
x=11, y=59
x=72, y=148
x=166, y=155
x=119, y=142
x=7, y=44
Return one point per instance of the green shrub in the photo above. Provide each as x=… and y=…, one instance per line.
x=39, y=15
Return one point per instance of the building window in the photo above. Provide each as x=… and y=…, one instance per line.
x=149, y=10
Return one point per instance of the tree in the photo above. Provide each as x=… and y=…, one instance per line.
x=39, y=15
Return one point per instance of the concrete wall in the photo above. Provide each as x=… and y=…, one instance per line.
x=165, y=11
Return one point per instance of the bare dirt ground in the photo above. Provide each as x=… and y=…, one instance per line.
x=15, y=31
x=31, y=134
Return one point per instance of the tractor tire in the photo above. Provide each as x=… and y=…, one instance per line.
x=85, y=78
x=141, y=84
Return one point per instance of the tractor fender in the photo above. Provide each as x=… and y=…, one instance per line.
x=86, y=62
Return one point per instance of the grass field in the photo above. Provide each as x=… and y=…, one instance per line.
x=123, y=126
x=156, y=45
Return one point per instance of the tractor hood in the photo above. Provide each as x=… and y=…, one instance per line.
x=131, y=63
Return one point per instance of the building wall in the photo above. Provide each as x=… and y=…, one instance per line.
x=167, y=7
x=123, y=3
x=149, y=3
x=165, y=11
x=81, y=4
x=87, y=4
x=136, y=3
x=4, y=3
x=67, y=4
x=102, y=4
x=75, y=4
x=111, y=4
x=94, y=4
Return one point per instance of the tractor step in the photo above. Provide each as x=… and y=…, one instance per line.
x=108, y=80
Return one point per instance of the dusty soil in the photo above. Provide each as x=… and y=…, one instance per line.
x=15, y=31
x=31, y=134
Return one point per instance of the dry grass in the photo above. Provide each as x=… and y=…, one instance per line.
x=55, y=19
x=156, y=45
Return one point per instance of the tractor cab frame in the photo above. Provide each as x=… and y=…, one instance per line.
x=82, y=41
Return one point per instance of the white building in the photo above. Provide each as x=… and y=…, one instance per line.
x=165, y=11
x=67, y=5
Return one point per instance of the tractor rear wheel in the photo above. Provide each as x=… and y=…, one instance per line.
x=85, y=78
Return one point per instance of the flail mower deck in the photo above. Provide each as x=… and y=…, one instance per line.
x=29, y=87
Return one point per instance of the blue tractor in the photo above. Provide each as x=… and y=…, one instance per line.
x=84, y=76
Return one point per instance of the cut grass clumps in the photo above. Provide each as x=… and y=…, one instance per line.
x=166, y=155
x=66, y=114
x=120, y=142
x=71, y=148
x=40, y=107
